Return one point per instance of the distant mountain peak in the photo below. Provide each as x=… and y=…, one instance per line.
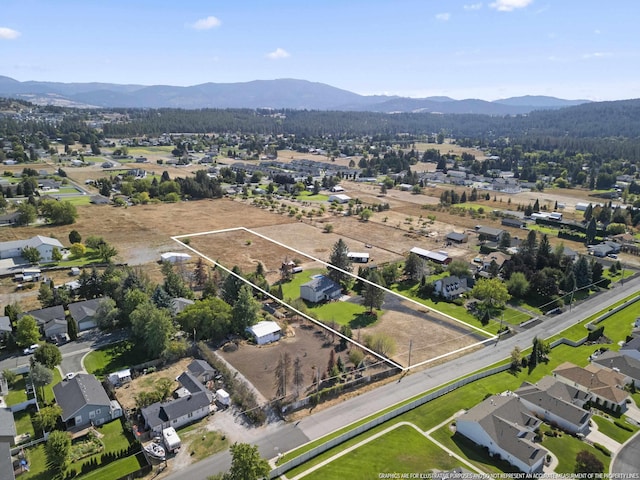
x=280, y=93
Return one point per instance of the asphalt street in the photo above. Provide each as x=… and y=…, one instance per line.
x=627, y=459
x=288, y=436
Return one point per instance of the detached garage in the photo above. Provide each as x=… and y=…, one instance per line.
x=174, y=257
x=265, y=332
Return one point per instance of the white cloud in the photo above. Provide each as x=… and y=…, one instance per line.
x=473, y=6
x=206, y=23
x=8, y=33
x=278, y=53
x=509, y=5
x=587, y=56
x=443, y=17
x=597, y=32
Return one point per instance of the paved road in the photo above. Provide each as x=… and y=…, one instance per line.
x=72, y=352
x=328, y=420
x=627, y=460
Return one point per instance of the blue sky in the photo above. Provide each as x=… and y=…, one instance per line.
x=463, y=49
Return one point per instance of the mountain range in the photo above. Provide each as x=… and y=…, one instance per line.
x=276, y=94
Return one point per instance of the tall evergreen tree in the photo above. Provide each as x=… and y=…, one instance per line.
x=339, y=258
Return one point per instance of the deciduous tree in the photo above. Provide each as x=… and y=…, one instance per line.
x=57, y=448
x=48, y=355
x=27, y=332
x=246, y=463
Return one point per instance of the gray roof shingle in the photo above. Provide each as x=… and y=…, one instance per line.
x=81, y=390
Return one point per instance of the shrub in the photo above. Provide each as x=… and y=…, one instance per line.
x=602, y=448
x=623, y=426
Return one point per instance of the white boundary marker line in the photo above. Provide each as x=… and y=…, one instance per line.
x=491, y=336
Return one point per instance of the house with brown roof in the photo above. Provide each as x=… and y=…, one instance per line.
x=604, y=384
x=506, y=427
x=626, y=365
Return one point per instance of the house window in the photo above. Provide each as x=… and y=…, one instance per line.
x=175, y=420
x=92, y=414
x=190, y=415
x=98, y=411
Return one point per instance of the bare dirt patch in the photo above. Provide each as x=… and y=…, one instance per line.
x=305, y=340
x=146, y=383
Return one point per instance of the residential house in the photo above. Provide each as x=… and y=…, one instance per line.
x=498, y=258
x=7, y=440
x=10, y=218
x=553, y=401
x=319, y=289
x=605, y=385
x=506, y=428
x=84, y=313
x=265, y=332
x=44, y=245
x=202, y=370
x=632, y=348
x=51, y=320
x=619, y=362
x=84, y=402
x=177, y=412
x=450, y=287
x=605, y=248
x=570, y=254
x=99, y=200
x=5, y=326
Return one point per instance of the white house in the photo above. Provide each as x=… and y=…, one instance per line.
x=505, y=426
x=44, y=245
x=265, y=332
x=320, y=288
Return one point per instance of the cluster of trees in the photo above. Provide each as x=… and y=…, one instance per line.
x=541, y=271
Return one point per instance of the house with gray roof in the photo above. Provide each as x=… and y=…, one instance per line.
x=457, y=237
x=84, y=402
x=44, y=245
x=7, y=440
x=5, y=326
x=319, y=289
x=450, y=287
x=51, y=320
x=551, y=400
x=193, y=403
x=632, y=348
x=202, y=370
x=626, y=365
x=505, y=427
x=84, y=313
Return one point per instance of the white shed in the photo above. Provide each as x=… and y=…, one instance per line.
x=340, y=198
x=265, y=332
x=174, y=257
x=222, y=396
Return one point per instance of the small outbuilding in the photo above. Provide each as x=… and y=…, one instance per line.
x=222, y=397
x=174, y=257
x=339, y=198
x=358, y=257
x=265, y=332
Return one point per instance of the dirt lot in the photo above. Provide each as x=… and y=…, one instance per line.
x=145, y=383
x=306, y=341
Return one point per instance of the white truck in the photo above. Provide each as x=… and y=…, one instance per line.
x=171, y=440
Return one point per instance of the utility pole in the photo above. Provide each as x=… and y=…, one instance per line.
x=410, y=346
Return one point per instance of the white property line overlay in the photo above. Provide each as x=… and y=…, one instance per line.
x=178, y=238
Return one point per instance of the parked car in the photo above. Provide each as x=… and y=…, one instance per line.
x=30, y=349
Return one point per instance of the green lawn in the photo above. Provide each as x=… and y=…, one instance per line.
x=611, y=430
x=310, y=197
x=37, y=464
x=401, y=450
x=78, y=200
x=203, y=443
x=17, y=393
x=48, y=389
x=566, y=447
x=291, y=290
x=113, y=358
x=142, y=151
x=117, y=469
x=23, y=423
